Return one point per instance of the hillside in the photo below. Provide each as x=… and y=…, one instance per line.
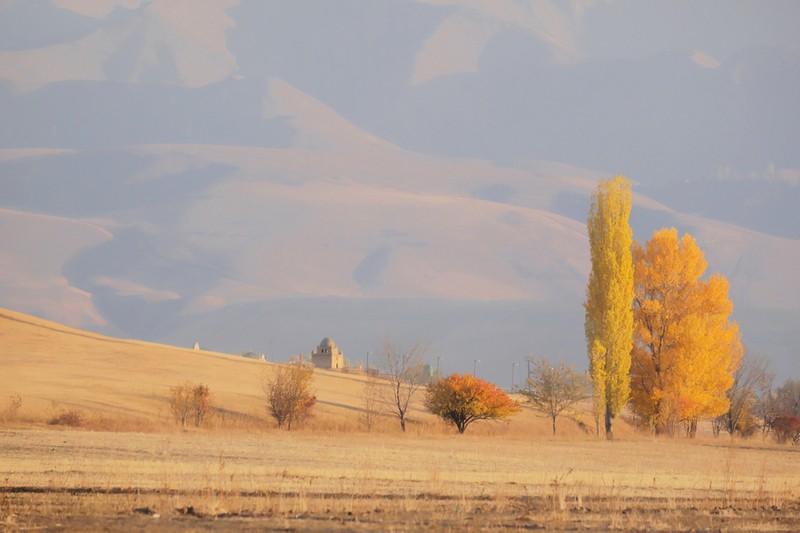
x=54, y=367
x=123, y=385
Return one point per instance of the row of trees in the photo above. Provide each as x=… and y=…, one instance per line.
x=459, y=399
x=463, y=399
x=756, y=405
x=659, y=336
x=659, y=339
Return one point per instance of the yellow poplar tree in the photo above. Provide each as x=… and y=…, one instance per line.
x=609, y=298
x=686, y=349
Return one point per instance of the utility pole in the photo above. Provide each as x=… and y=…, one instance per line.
x=438, y=362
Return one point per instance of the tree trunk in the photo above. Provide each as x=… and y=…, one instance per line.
x=609, y=424
x=693, y=428
x=403, y=423
x=554, y=425
x=597, y=424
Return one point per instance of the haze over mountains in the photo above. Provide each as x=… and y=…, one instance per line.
x=258, y=175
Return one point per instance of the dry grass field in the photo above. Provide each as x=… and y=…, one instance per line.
x=128, y=466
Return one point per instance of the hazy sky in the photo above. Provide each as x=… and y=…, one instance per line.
x=721, y=28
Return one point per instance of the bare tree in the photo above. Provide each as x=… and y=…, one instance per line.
x=554, y=389
x=751, y=376
x=788, y=398
x=370, y=396
x=404, y=372
x=766, y=407
x=288, y=390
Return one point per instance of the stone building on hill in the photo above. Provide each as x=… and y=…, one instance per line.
x=327, y=355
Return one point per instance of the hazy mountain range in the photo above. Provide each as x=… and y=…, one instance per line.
x=257, y=175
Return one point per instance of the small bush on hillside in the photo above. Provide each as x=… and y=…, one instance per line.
x=13, y=407
x=72, y=418
x=190, y=402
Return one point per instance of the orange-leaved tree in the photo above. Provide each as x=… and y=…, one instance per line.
x=461, y=399
x=686, y=349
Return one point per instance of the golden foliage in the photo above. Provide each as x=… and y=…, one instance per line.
x=290, y=398
x=686, y=349
x=609, y=294
x=461, y=399
x=190, y=402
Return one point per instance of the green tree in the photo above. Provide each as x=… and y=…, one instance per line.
x=609, y=298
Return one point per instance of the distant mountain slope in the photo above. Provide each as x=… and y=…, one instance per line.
x=238, y=231
x=171, y=170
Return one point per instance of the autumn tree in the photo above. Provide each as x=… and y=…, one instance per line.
x=787, y=429
x=686, y=349
x=775, y=404
x=553, y=389
x=403, y=371
x=201, y=398
x=609, y=297
x=461, y=399
x=190, y=402
x=290, y=398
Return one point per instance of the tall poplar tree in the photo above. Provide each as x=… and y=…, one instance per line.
x=609, y=298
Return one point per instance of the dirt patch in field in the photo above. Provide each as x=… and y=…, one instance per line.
x=26, y=508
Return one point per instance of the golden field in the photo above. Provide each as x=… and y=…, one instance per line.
x=129, y=466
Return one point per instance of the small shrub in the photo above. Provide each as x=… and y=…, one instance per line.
x=190, y=402
x=72, y=418
x=786, y=428
x=14, y=405
x=202, y=397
